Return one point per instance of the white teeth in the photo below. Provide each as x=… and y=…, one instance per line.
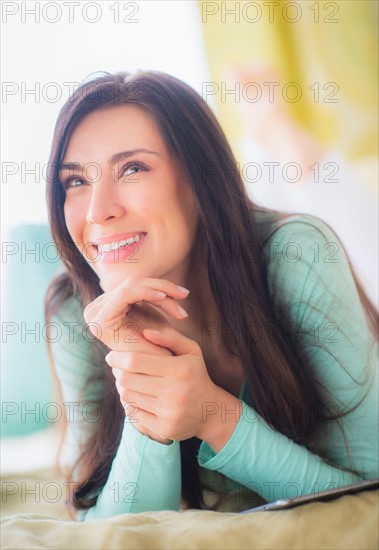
x=118, y=244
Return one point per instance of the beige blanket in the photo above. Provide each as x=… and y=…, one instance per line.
x=350, y=522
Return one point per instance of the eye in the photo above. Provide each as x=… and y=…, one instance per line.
x=132, y=168
x=73, y=181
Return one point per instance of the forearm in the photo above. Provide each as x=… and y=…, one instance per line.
x=145, y=476
x=219, y=419
x=269, y=463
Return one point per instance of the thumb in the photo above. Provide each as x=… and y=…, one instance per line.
x=169, y=338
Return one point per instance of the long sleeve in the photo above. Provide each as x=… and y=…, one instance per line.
x=145, y=475
x=309, y=276
x=79, y=377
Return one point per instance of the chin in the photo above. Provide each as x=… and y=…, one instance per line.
x=110, y=281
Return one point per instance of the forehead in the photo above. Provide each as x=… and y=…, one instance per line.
x=103, y=131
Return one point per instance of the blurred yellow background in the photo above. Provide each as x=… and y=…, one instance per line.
x=329, y=49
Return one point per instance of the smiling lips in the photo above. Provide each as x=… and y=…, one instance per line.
x=114, y=248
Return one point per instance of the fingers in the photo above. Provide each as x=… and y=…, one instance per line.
x=171, y=339
x=171, y=307
x=165, y=286
x=141, y=363
x=142, y=401
x=133, y=401
x=115, y=304
x=141, y=383
x=145, y=419
x=134, y=413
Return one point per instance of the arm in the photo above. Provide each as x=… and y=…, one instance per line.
x=322, y=301
x=73, y=364
x=145, y=474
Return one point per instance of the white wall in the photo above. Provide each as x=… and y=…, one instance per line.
x=166, y=36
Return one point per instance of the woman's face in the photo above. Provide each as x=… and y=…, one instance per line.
x=122, y=184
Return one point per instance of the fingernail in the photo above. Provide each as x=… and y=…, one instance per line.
x=108, y=357
x=181, y=310
x=160, y=294
x=182, y=289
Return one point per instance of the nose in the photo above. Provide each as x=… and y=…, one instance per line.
x=104, y=203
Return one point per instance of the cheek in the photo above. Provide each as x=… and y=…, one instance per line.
x=188, y=212
x=73, y=215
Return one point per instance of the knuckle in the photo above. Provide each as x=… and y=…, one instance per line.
x=185, y=374
x=124, y=291
x=130, y=396
x=87, y=314
x=124, y=395
x=130, y=362
x=120, y=389
x=166, y=429
x=172, y=418
x=130, y=281
x=196, y=348
x=181, y=399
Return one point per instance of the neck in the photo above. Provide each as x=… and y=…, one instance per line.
x=204, y=325
x=204, y=321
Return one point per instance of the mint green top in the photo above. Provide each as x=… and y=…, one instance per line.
x=309, y=275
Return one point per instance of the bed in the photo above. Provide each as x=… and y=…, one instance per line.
x=33, y=517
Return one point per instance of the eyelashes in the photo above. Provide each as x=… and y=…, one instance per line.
x=133, y=165
x=67, y=182
x=78, y=181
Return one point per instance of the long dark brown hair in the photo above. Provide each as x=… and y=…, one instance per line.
x=277, y=370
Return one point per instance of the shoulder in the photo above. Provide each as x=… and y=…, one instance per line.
x=313, y=288
x=310, y=277
x=303, y=253
x=68, y=323
x=280, y=226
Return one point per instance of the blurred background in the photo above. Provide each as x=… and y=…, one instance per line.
x=294, y=85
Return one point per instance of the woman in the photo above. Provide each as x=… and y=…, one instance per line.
x=201, y=333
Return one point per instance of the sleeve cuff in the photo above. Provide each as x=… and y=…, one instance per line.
x=143, y=443
x=208, y=458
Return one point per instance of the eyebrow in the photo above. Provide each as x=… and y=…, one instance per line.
x=114, y=159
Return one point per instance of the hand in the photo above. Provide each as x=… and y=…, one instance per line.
x=106, y=317
x=110, y=317
x=142, y=315
x=170, y=392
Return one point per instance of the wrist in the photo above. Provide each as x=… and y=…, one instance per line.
x=159, y=439
x=219, y=419
x=151, y=435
